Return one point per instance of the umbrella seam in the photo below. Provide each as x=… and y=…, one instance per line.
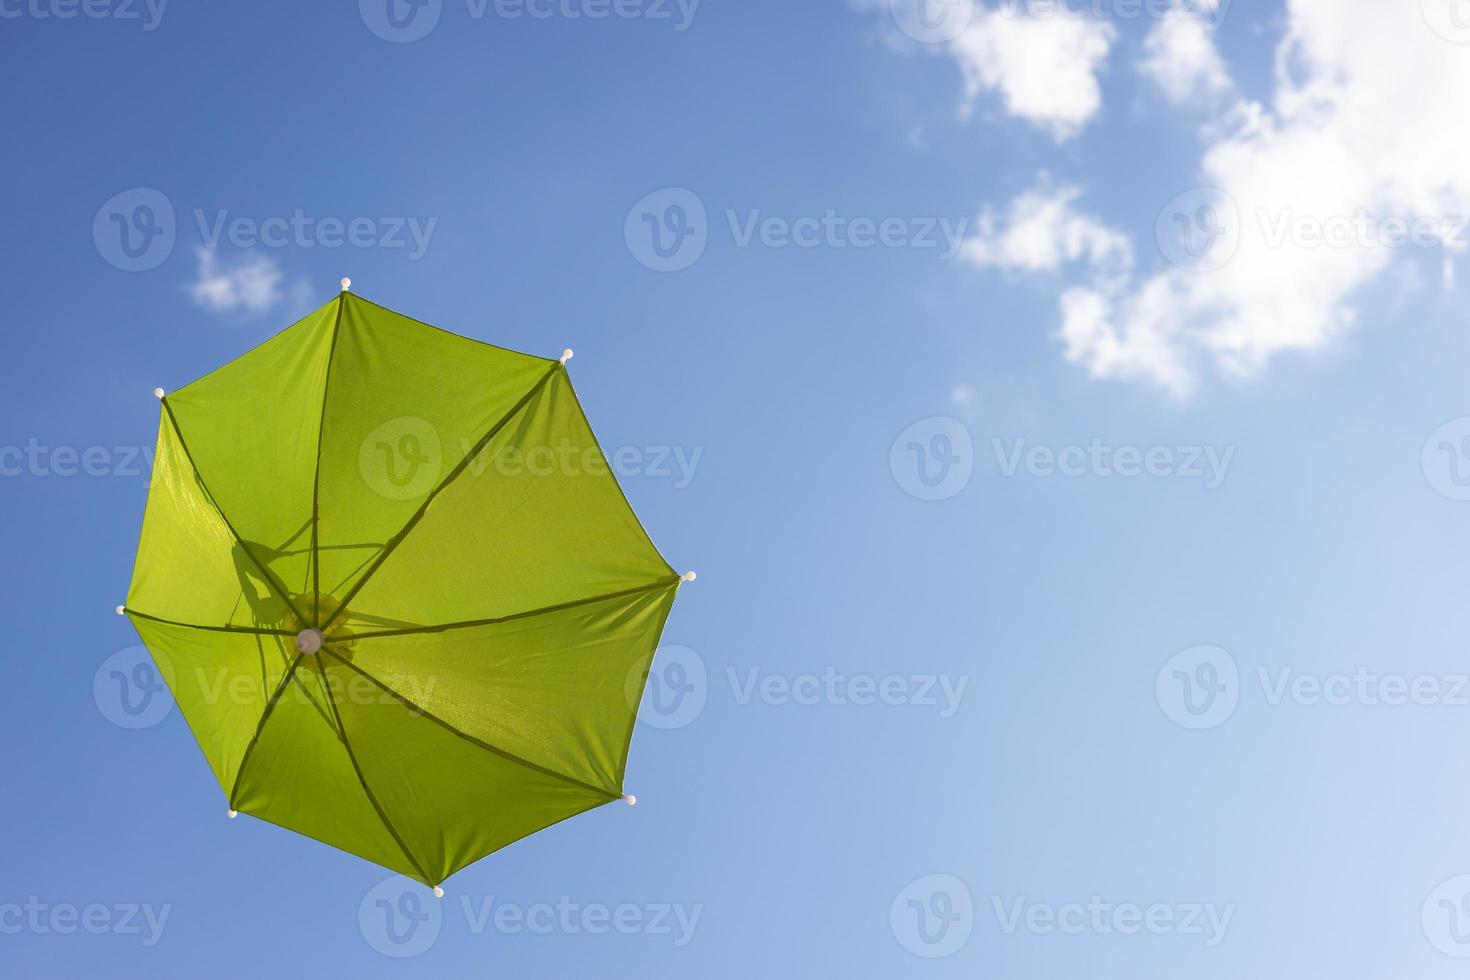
x=495, y=621
x=258, y=630
x=316, y=480
x=367, y=790
x=403, y=533
x=502, y=753
x=270, y=579
x=260, y=727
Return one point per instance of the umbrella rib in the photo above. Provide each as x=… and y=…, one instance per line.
x=258, y=630
x=397, y=539
x=269, y=578
x=316, y=480
x=367, y=791
x=494, y=621
x=260, y=726
x=508, y=756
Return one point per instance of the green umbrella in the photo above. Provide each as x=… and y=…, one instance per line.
x=397, y=594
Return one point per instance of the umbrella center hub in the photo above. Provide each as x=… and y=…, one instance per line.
x=309, y=641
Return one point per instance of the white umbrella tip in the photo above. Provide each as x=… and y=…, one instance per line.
x=688, y=577
x=120, y=610
x=630, y=799
x=346, y=284
x=566, y=355
x=438, y=892
x=232, y=814
x=158, y=392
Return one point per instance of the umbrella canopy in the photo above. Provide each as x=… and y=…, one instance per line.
x=395, y=590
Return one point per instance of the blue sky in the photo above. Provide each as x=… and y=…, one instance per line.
x=1074, y=597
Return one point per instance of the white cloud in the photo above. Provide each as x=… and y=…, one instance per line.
x=1365, y=124
x=1180, y=57
x=252, y=284
x=1042, y=231
x=1045, y=68
x=1042, y=62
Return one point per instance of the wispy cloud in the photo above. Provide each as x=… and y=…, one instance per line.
x=249, y=284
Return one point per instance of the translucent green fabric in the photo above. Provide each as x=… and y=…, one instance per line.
x=439, y=510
